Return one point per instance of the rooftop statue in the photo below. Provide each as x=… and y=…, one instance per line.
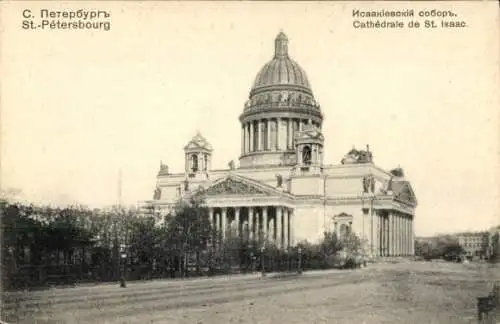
x=398, y=172
x=163, y=168
x=355, y=156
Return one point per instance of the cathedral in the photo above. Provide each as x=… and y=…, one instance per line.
x=281, y=189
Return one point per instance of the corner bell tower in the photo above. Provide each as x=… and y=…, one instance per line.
x=309, y=149
x=198, y=156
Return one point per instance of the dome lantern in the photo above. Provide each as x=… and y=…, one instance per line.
x=281, y=46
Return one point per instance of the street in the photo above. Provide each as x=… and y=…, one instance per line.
x=381, y=293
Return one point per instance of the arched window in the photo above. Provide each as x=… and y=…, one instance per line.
x=306, y=155
x=194, y=163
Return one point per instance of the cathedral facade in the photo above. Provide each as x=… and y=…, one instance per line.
x=281, y=189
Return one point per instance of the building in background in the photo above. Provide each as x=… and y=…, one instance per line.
x=475, y=244
x=282, y=190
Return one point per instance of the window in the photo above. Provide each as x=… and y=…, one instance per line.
x=194, y=163
x=306, y=155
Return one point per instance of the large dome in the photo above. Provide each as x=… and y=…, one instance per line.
x=280, y=104
x=281, y=71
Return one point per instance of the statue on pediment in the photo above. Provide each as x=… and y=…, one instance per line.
x=231, y=165
x=186, y=185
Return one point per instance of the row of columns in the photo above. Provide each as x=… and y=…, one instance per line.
x=273, y=223
x=274, y=134
x=395, y=234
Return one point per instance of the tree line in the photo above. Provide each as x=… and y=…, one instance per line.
x=45, y=245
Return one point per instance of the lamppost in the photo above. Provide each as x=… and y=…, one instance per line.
x=123, y=256
x=300, y=261
x=287, y=259
x=252, y=258
x=262, y=269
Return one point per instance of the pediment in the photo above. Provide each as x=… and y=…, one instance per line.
x=342, y=216
x=198, y=142
x=233, y=186
x=193, y=146
x=404, y=192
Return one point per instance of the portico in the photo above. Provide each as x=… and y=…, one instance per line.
x=257, y=223
x=250, y=209
x=395, y=233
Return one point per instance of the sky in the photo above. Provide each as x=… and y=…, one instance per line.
x=79, y=106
